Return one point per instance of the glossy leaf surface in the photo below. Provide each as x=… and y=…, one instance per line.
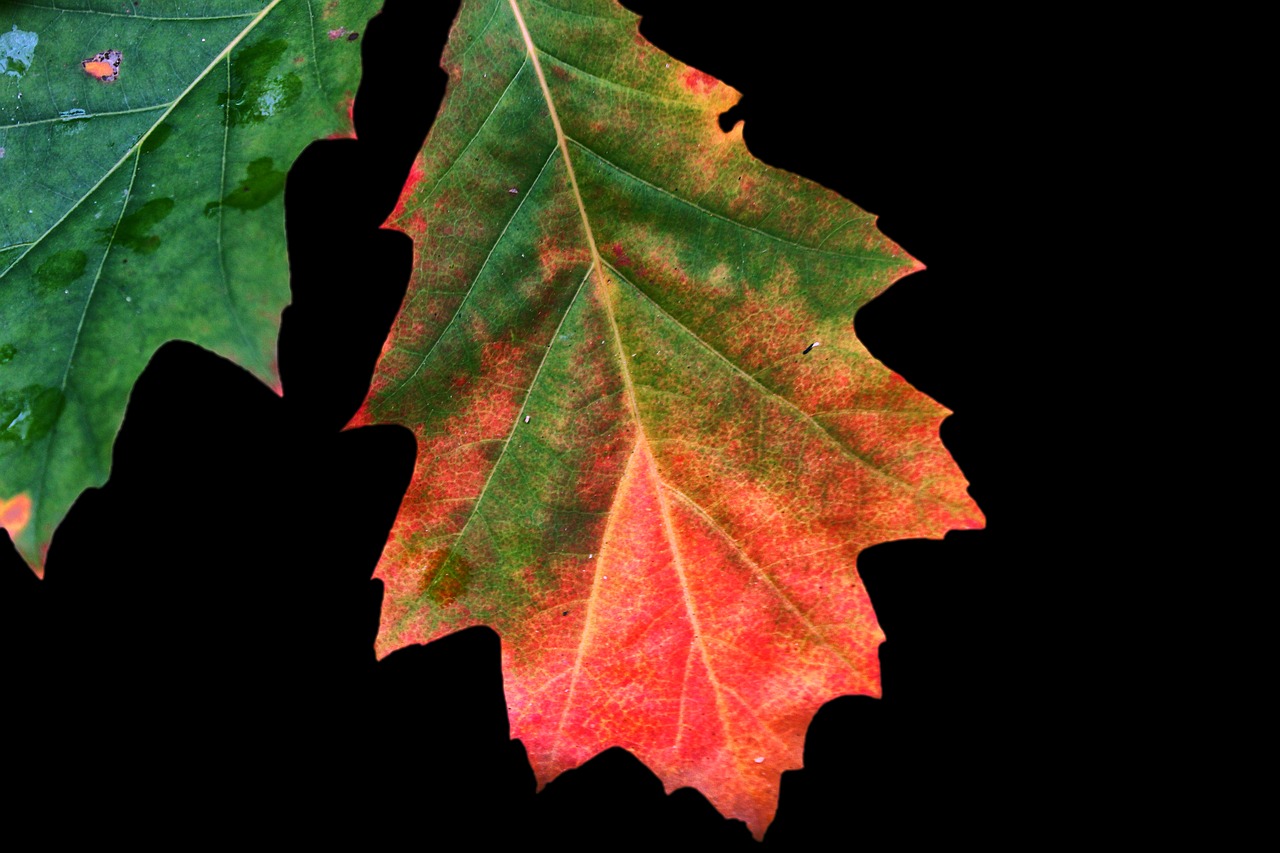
x=143, y=153
x=650, y=445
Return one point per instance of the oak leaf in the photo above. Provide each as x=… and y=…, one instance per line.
x=143, y=153
x=650, y=445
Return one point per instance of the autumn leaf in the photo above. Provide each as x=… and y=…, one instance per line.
x=143, y=153
x=650, y=445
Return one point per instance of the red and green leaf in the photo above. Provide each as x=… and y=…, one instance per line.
x=650, y=445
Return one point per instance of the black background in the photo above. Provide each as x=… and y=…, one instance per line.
x=200, y=651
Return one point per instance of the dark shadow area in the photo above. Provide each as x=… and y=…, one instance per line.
x=201, y=646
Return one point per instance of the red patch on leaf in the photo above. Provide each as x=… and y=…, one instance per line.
x=407, y=194
x=347, y=109
x=698, y=82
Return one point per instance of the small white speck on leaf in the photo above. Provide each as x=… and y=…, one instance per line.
x=760, y=760
x=514, y=191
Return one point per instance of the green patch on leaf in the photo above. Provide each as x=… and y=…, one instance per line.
x=61, y=269
x=260, y=184
x=135, y=230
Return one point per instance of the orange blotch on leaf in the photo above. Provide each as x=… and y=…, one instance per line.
x=104, y=66
x=15, y=513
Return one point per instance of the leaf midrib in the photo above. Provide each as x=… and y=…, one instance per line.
x=641, y=453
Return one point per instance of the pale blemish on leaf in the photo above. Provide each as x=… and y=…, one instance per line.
x=28, y=414
x=257, y=94
x=17, y=47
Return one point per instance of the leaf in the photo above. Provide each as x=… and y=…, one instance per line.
x=650, y=445
x=143, y=208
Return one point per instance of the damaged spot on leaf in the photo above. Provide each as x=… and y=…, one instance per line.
x=104, y=66
x=17, y=47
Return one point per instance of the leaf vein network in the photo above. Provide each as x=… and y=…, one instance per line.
x=38, y=501
x=404, y=384
x=479, y=130
x=800, y=246
x=804, y=416
x=769, y=581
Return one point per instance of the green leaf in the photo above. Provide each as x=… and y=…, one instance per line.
x=144, y=209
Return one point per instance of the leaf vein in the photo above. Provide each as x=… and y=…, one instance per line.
x=763, y=575
x=65, y=119
x=103, y=14
x=616, y=85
